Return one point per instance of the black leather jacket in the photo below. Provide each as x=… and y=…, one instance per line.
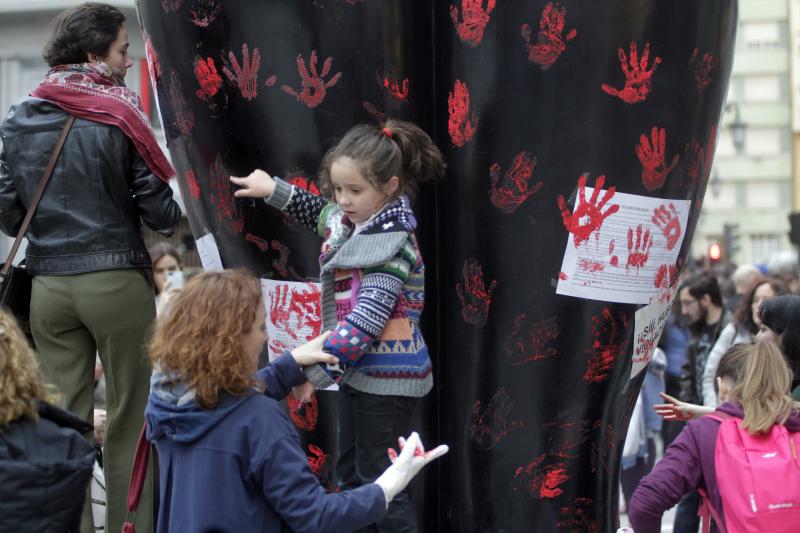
x=89, y=216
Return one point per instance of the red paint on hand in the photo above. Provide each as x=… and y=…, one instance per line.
x=313, y=86
x=666, y=219
x=207, y=76
x=638, y=77
x=651, y=154
x=460, y=124
x=588, y=216
x=638, y=252
x=491, y=424
x=474, y=298
x=535, y=343
x=475, y=18
x=244, y=75
x=550, y=43
x=515, y=188
x=702, y=68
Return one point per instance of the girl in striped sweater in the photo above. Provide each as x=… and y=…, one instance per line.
x=373, y=289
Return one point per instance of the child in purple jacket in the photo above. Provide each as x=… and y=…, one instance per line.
x=753, y=382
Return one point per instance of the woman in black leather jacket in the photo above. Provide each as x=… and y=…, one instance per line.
x=85, y=249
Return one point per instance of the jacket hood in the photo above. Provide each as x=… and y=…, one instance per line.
x=173, y=412
x=735, y=409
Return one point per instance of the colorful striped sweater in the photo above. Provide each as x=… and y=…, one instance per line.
x=373, y=292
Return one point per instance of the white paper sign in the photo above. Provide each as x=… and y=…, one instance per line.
x=630, y=256
x=294, y=315
x=648, y=324
x=209, y=253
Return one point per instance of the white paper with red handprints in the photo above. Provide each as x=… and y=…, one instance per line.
x=209, y=253
x=294, y=314
x=625, y=258
x=649, y=322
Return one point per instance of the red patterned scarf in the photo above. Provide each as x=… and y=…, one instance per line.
x=93, y=91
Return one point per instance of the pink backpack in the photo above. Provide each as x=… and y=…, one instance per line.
x=758, y=478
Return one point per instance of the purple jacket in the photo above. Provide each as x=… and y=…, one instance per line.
x=687, y=464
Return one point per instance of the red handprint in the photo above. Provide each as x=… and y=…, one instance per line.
x=305, y=183
x=702, y=67
x=471, y=29
x=153, y=66
x=579, y=518
x=491, y=424
x=475, y=303
x=549, y=44
x=665, y=279
x=244, y=75
x=606, y=346
x=304, y=415
x=314, y=87
x=638, y=82
x=533, y=344
x=588, y=216
x=207, y=76
x=701, y=157
x=651, y=154
x=666, y=219
x=460, y=124
x=191, y=182
x=184, y=116
x=639, y=252
x=306, y=306
x=279, y=311
x=204, y=12
x=542, y=476
x=228, y=211
x=394, y=88
x=614, y=259
x=258, y=241
x=514, y=190
x=279, y=264
x=171, y=5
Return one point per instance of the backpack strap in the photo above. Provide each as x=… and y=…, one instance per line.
x=706, y=510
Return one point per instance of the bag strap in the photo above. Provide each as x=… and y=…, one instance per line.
x=139, y=471
x=37, y=196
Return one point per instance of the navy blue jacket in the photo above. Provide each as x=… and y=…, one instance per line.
x=239, y=467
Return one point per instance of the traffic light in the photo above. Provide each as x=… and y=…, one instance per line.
x=730, y=240
x=714, y=253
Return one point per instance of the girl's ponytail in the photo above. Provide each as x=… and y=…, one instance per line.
x=421, y=159
x=764, y=388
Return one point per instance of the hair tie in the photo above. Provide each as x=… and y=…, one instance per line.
x=387, y=132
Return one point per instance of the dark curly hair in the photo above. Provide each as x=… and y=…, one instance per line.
x=743, y=316
x=89, y=28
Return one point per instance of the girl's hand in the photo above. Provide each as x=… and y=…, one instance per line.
x=258, y=184
x=680, y=411
x=311, y=352
x=304, y=393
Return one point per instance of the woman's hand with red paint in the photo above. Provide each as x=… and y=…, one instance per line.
x=258, y=184
x=680, y=411
x=406, y=465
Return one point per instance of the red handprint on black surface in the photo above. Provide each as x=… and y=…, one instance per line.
x=534, y=344
x=207, y=77
x=262, y=244
x=244, y=75
x=393, y=87
x=578, y=518
x=638, y=78
x=701, y=157
x=281, y=263
x=475, y=19
x=550, y=43
x=313, y=86
x=588, y=216
x=606, y=346
x=204, y=12
x=228, y=212
x=184, y=116
x=475, y=299
x=460, y=124
x=491, y=424
x=702, y=68
x=171, y=5
x=638, y=252
x=666, y=219
x=651, y=154
x=303, y=415
x=515, y=188
x=542, y=476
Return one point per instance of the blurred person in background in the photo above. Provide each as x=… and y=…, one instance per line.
x=780, y=323
x=168, y=275
x=741, y=329
x=743, y=279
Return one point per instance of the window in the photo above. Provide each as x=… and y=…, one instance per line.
x=762, y=245
x=763, y=141
x=762, y=89
x=761, y=35
x=725, y=199
x=764, y=195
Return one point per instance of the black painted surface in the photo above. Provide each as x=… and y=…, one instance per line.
x=549, y=459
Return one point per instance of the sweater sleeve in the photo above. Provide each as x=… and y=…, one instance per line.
x=725, y=341
x=296, y=495
x=301, y=205
x=376, y=301
x=280, y=376
x=679, y=472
